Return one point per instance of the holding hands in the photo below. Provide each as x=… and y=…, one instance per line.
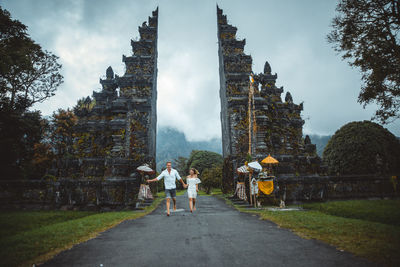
x=152, y=180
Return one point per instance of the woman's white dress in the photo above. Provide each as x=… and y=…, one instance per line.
x=192, y=186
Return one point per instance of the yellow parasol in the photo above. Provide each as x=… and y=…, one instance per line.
x=269, y=160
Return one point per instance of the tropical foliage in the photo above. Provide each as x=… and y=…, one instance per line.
x=367, y=33
x=362, y=147
x=209, y=164
x=211, y=178
x=201, y=160
x=28, y=75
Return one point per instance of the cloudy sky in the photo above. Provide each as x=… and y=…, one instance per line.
x=91, y=35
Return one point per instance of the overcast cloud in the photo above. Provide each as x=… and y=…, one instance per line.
x=89, y=36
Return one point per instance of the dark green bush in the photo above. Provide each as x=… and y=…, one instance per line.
x=362, y=147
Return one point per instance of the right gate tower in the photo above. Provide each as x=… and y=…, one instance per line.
x=278, y=126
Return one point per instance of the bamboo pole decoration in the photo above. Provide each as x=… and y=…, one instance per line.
x=254, y=122
x=251, y=197
x=252, y=129
x=249, y=112
x=255, y=200
x=250, y=126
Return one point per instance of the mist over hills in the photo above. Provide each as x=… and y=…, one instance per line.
x=320, y=141
x=171, y=144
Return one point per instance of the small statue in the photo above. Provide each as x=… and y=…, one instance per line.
x=109, y=73
x=267, y=68
x=288, y=98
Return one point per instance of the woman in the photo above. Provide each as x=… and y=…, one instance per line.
x=193, y=187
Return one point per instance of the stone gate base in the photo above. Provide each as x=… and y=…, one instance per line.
x=292, y=189
x=68, y=194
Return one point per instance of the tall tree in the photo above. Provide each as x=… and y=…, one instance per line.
x=367, y=33
x=211, y=178
x=27, y=73
x=202, y=159
x=42, y=159
x=362, y=147
x=18, y=135
x=62, y=133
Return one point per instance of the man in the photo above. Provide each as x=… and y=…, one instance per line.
x=169, y=176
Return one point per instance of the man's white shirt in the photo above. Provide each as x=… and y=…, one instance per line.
x=169, y=178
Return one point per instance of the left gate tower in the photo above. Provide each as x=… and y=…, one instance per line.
x=116, y=128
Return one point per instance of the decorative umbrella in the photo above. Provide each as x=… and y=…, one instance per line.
x=144, y=190
x=240, y=187
x=242, y=169
x=255, y=166
x=269, y=160
x=145, y=168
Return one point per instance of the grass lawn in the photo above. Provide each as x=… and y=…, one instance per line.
x=366, y=228
x=28, y=237
x=382, y=211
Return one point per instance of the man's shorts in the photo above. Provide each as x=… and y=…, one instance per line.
x=170, y=193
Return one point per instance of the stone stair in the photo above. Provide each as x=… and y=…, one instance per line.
x=240, y=203
x=142, y=204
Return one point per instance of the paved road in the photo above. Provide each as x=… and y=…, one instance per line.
x=216, y=235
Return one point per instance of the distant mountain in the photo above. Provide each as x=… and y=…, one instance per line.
x=172, y=144
x=320, y=141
